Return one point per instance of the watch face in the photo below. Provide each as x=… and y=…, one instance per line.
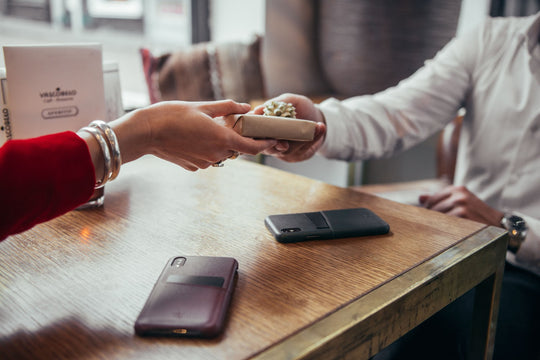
x=517, y=223
x=517, y=229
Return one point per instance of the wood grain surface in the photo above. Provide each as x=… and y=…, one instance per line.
x=73, y=287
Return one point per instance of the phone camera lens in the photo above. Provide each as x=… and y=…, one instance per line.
x=179, y=262
x=290, y=230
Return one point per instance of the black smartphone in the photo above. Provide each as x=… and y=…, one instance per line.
x=190, y=298
x=327, y=224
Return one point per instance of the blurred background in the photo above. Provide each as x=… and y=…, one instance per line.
x=305, y=46
x=125, y=26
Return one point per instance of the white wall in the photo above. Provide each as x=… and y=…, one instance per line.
x=233, y=20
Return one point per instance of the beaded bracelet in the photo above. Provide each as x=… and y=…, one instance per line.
x=114, y=148
x=107, y=162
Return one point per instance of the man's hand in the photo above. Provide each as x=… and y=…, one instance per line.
x=459, y=201
x=293, y=151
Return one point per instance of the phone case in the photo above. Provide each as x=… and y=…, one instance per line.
x=190, y=298
x=328, y=224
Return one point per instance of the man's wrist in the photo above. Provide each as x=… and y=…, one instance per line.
x=517, y=230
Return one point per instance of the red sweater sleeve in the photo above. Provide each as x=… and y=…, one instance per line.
x=42, y=178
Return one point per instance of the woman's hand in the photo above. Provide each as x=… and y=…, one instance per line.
x=184, y=133
x=294, y=151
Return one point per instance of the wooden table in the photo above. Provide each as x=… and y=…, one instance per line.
x=73, y=287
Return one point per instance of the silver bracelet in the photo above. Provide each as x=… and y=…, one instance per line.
x=100, y=138
x=114, y=147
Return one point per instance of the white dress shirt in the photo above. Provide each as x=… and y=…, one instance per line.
x=494, y=73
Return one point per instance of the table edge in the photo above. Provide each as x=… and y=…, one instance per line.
x=343, y=329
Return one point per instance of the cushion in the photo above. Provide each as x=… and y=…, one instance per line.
x=206, y=71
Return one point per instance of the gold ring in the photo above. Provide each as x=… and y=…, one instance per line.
x=234, y=155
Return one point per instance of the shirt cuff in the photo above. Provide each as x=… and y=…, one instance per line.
x=335, y=127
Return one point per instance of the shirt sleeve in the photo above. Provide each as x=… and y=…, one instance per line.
x=380, y=125
x=43, y=178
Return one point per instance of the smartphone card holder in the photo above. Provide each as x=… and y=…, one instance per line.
x=190, y=298
x=328, y=224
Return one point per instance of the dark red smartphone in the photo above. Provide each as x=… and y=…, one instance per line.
x=190, y=298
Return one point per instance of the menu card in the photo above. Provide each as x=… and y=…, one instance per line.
x=53, y=88
x=5, y=130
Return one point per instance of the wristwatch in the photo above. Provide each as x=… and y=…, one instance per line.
x=517, y=229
